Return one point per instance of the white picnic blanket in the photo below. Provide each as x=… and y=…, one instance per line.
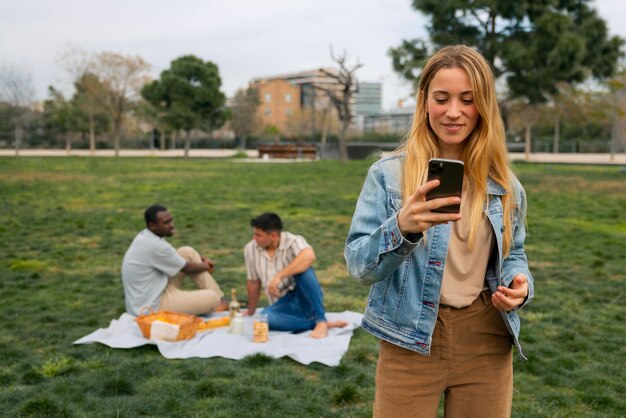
x=125, y=333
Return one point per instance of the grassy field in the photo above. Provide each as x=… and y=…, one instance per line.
x=65, y=224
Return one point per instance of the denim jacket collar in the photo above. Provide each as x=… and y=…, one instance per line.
x=494, y=188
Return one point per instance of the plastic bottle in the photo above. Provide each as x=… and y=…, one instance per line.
x=236, y=324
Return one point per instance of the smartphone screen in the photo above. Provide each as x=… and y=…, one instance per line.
x=450, y=175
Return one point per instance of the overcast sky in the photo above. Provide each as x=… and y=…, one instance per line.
x=245, y=38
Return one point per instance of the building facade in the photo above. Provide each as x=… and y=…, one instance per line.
x=368, y=99
x=287, y=95
x=397, y=120
x=279, y=100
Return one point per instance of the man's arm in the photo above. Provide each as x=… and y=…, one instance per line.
x=195, y=267
x=254, y=290
x=301, y=263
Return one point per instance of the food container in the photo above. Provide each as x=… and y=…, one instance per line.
x=260, y=328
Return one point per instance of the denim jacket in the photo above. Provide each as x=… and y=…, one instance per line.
x=405, y=276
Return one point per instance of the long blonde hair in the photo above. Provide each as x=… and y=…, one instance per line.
x=484, y=154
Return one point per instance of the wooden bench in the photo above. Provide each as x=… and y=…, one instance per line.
x=306, y=151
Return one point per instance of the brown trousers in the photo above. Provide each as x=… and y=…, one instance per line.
x=193, y=302
x=470, y=364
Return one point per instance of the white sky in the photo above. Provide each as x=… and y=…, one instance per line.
x=245, y=38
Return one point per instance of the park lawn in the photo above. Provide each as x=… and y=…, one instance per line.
x=65, y=224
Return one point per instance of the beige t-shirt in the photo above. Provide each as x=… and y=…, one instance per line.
x=147, y=265
x=464, y=273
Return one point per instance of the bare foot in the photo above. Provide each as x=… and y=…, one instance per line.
x=337, y=324
x=321, y=328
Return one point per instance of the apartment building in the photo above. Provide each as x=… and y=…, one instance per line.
x=279, y=100
x=285, y=95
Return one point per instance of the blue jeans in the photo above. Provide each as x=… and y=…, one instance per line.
x=301, y=308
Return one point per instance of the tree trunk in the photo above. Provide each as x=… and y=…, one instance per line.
x=187, y=142
x=557, y=132
x=618, y=122
x=92, y=131
x=325, y=124
x=117, y=136
x=175, y=138
x=18, y=138
x=68, y=144
x=162, y=139
x=527, y=142
x=243, y=142
x=343, y=148
x=313, y=112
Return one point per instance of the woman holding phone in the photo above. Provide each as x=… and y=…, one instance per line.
x=445, y=287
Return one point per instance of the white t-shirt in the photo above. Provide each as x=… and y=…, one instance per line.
x=261, y=267
x=148, y=263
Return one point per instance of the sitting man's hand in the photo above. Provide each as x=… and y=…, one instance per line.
x=209, y=263
x=273, y=287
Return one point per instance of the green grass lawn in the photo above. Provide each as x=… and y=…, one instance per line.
x=65, y=224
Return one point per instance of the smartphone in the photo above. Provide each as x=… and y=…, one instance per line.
x=450, y=175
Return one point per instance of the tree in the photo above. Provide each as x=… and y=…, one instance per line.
x=535, y=45
x=154, y=117
x=522, y=115
x=244, y=118
x=61, y=116
x=300, y=123
x=89, y=97
x=90, y=94
x=189, y=95
x=617, y=87
x=121, y=77
x=576, y=105
x=16, y=90
x=341, y=97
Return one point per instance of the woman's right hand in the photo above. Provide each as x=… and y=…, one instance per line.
x=416, y=214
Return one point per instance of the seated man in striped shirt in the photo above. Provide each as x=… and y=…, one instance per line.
x=280, y=262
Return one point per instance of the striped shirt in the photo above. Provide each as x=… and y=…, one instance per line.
x=261, y=267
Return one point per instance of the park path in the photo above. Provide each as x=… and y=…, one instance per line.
x=547, y=157
x=195, y=153
x=616, y=159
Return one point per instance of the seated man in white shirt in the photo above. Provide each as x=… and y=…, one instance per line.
x=153, y=271
x=280, y=262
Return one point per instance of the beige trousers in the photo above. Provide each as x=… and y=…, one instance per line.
x=470, y=364
x=193, y=302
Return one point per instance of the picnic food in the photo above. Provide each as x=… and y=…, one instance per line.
x=260, y=328
x=214, y=323
x=187, y=325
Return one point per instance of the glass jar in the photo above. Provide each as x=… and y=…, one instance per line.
x=260, y=328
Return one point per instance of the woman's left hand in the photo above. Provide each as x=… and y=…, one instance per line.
x=508, y=298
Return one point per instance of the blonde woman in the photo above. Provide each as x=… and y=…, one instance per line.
x=445, y=288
